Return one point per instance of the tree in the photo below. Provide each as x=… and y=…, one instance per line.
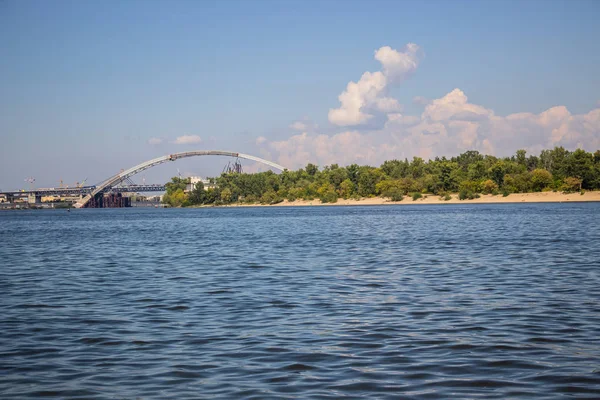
x=517, y=183
x=176, y=183
x=571, y=184
x=175, y=199
x=395, y=169
x=540, y=179
x=368, y=177
x=477, y=171
x=391, y=188
x=353, y=171
x=196, y=196
x=175, y=195
x=311, y=169
x=580, y=164
x=521, y=157
x=327, y=193
x=497, y=172
x=226, y=195
x=347, y=189
x=417, y=167
x=270, y=197
x=489, y=187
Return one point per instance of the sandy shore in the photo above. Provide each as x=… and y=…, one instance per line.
x=544, y=197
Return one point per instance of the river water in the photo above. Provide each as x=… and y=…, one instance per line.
x=423, y=302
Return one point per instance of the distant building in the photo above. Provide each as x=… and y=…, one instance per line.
x=195, y=179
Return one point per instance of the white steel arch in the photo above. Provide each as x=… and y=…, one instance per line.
x=120, y=177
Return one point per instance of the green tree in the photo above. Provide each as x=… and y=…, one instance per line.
x=571, y=184
x=390, y=188
x=497, y=172
x=395, y=169
x=540, y=179
x=489, y=187
x=196, y=196
x=580, y=164
x=226, y=196
x=311, y=169
x=368, y=177
x=521, y=158
x=347, y=189
x=327, y=193
x=176, y=184
x=176, y=199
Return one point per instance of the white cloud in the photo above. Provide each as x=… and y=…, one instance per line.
x=448, y=126
x=261, y=139
x=298, y=126
x=362, y=99
x=420, y=100
x=188, y=139
x=454, y=105
x=154, y=141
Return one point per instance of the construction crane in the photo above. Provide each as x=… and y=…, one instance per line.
x=30, y=180
x=81, y=184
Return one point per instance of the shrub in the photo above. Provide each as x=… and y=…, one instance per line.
x=505, y=193
x=270, y=197
x=467, y=195
x=416, y=196
x=396, y=196
x=489, y=186
x=447, y=197
x=571, y=184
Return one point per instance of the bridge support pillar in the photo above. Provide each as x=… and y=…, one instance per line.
x=33, y=198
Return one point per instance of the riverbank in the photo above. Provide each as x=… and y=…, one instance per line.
x=541, y=197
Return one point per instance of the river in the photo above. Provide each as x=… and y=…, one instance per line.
x=391, y=302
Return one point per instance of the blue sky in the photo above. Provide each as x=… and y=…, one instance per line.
x=84, y=86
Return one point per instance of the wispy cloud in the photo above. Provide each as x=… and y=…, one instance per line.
x=298, y=126
x=154, y=141
x=188, y=139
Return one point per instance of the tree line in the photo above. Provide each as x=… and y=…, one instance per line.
x=469, y=174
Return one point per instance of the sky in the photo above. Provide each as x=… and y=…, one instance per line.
x=88, y=88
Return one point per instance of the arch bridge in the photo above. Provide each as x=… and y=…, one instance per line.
x=120, y=177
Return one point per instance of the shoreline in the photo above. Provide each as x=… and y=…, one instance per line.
x=514, y=198
x=537, y=197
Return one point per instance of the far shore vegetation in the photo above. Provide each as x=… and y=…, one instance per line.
x=469, y=174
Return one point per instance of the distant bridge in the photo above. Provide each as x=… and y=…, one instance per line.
x=120, y=177
x=83, y=190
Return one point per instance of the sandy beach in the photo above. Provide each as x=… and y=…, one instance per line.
x=542, y=197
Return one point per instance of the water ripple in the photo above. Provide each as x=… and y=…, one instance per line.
x=424, y=302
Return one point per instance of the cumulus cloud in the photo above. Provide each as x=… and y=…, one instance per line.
x=447, y=126
x=188, y=139
x=154, y=141
x=454, y=105
x=362, y=99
